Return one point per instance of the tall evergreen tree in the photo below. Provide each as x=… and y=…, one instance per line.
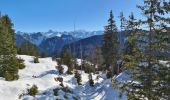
x=67, y=60
x=123, y=28
x=149, y=39
x=8, y=61
x=110, y=45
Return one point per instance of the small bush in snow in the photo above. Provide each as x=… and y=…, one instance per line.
x=56, y=91
x=33, y=91
x=59, y=67
x=21, y=63
x=10, y=76
x=78, y=77
x=36, y=60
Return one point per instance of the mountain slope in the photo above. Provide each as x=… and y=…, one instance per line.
x=89, y=44
x=20, y=40
x=86, y=45
x=53, y=46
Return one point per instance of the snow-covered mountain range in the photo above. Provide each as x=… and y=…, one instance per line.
x=38, y=37
x=52, y=42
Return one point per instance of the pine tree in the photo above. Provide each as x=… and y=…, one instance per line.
x=123, y=28
x=149, y=40
x=67, y=60
x=110, y=45
x=8, y=61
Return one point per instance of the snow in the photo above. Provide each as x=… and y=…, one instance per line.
x=65, y=68
x=42, y=74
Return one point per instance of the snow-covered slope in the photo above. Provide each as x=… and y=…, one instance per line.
x=42, y=74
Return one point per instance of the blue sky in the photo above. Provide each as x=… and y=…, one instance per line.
x=59, y=15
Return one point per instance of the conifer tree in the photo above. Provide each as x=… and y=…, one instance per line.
x=110, y=45
x=8, y=61
x=67, y=60
x=149, y=39
x=123, y=28
x=60, y=67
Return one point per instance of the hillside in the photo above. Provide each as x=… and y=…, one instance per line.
x=42, y=74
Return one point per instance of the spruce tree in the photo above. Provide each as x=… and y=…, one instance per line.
x=67, y=60
x=60, y=67
x=149, y=40
x=123, y=28
x=110, y=45
x=8, y=61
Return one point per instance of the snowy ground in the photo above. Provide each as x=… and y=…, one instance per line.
x=42, y=74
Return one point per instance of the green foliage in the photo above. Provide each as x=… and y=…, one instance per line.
x=21, y=63
x=87, y=67
x=110, y=44
x=78, y=77
x=148, y=46
x=36, y=60
x=59, y=67
x=67, y=60
x=27, y=49
x=55, y=91
x=10, y=76
x=33, y=91
x=8, y=60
